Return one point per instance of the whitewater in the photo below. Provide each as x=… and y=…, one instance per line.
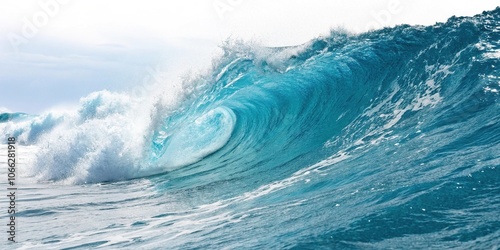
x=382, y=140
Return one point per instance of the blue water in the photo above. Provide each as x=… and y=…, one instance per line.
x=387, y=139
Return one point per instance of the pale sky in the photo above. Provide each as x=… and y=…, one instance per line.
x=52, y=52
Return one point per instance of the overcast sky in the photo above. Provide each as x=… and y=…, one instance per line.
x=52, y=52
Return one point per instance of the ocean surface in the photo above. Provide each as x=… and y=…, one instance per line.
x=383, y=140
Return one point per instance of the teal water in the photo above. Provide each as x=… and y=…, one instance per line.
x=387, y=139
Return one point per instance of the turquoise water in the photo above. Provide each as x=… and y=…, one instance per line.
x=387, y=139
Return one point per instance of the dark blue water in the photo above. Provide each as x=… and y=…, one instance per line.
x=387, y=139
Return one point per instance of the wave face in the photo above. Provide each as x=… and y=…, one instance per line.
x=349, y=141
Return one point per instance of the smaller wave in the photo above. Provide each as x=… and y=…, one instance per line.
x=5, y=117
